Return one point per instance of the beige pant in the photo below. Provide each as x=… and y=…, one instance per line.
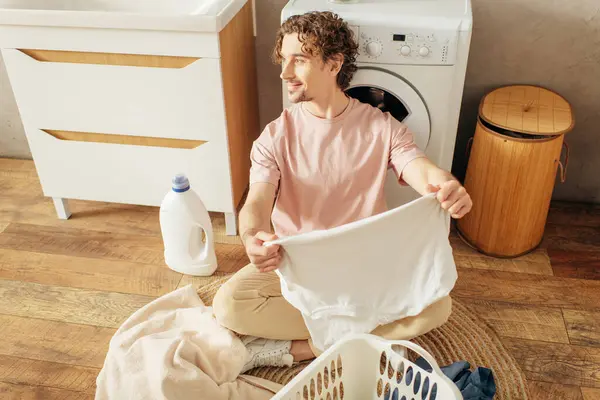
x=251, y=303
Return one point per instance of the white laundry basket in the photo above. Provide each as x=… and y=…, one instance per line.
x=362, y=367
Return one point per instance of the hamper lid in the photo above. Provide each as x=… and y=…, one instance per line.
x=528, y=110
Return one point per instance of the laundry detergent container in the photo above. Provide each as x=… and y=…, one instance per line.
x=118, y=96
x=514, y=159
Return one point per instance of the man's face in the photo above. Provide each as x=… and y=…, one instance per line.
x=307, y=76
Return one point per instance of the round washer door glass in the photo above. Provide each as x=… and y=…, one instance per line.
x=390, y=93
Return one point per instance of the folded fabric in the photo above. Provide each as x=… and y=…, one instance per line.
x=173, y=349
x=476, y=385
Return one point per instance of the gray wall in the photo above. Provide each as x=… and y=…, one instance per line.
x=552, y=43
x=13, y=142
x=268, y=14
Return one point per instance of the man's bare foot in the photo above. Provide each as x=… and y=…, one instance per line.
x=301, y=350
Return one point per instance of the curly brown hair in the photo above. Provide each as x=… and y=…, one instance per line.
x=322, y=33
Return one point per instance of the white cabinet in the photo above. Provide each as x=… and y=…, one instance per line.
x=115, y=103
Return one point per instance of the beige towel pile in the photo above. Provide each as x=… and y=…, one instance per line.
x=173, y=348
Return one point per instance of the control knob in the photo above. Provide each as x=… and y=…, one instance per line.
x=373, y=48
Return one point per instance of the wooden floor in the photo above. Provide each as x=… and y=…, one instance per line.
x=65, y=286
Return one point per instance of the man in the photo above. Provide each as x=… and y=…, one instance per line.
x=321, y=164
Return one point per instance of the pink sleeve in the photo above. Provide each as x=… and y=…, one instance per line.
x=264, y=166
x=402, y=149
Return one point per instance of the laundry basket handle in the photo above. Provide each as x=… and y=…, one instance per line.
x=419, y=350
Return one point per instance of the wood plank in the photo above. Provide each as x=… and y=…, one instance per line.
x=553, y=391
x=22, y=200
x=43, y=340
x=590, y=394
x=17, y=168
x=553, y=362
x=65, y=304
x=10, y=391
x=583, y=327
x=87, y=273
x=537, y=262
x=17, y=370
x=17, y=164
x=575, y=264
x=96, y=216
x=34, y=209
x=573, y=238
x=540, y=266
x=548, y=291
x=521, y=321
x=19, y=187
x=89, y=215
x=83, y=243
x=574, y=214
x=142, y=249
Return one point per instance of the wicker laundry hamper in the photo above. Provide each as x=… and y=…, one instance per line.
x=515, y=155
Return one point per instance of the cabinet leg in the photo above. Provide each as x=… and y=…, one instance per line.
x=230, y=224
x=62, y=207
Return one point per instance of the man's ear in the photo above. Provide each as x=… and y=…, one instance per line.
x=335, y=63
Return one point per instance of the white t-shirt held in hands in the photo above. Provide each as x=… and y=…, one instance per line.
x=370, y=272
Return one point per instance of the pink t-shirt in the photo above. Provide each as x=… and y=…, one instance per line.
x=329, y=172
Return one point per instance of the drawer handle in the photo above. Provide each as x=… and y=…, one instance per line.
x=125, y=139
x=126, y=60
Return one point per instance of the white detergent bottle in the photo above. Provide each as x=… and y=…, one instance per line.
x=183, y=220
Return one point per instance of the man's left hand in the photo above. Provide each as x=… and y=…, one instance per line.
x=453, y=198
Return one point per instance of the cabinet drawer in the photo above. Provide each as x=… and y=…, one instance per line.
x=129, y=173
x=173, y=97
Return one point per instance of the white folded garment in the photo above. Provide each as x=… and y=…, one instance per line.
x=354, y=277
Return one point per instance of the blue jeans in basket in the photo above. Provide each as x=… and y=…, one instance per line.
x=476, y=385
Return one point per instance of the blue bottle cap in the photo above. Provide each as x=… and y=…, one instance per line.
x=180, y=183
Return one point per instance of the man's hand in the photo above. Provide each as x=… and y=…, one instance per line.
x=266, y=259
x=453, y=198
x=421, y=173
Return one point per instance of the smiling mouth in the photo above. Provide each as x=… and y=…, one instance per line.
x=293, y=86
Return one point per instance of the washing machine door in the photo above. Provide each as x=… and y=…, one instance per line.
x=389, y=92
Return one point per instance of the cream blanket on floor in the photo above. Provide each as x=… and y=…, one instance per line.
x=173, y=348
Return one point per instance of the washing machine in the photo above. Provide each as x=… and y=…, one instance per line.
x=412, y=63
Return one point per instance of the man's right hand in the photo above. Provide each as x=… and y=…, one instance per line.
x=266, y=259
